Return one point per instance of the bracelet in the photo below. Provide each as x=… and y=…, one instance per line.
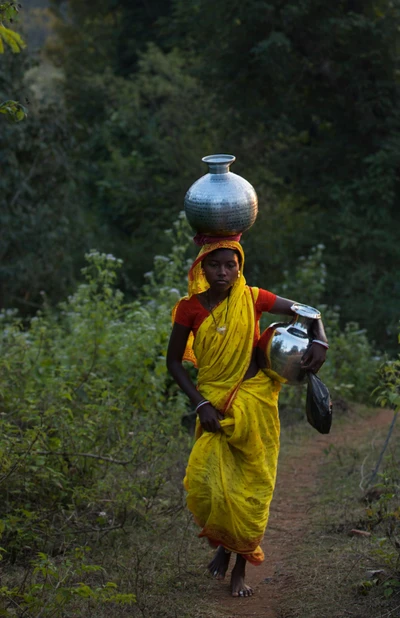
x=323, y=343
x=202, y=403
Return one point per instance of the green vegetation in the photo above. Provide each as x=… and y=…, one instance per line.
x=351, y=367
x=14, y=111
x=93, y=445
x=123, y=103
x=353, y=542
x=384, y=513
x=347, y=562
x=130, y=99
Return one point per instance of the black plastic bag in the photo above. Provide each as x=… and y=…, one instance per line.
x=318, y=404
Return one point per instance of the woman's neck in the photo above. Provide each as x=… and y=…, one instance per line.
x=217, y=296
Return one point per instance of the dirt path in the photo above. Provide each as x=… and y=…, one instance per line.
x=290, y=519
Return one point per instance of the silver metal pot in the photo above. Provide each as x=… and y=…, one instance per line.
x=221, y=203
x=283, y=344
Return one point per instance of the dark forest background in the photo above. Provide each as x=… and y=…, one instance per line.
x=125, y=98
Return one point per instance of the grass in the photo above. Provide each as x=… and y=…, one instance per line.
x=162, y=563
x=165, y=570
x=334, y=573
x=329, y=574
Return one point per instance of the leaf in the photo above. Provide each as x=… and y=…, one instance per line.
x=84, y=591
x=12, y=39
x=9, y=11
x=14, y=111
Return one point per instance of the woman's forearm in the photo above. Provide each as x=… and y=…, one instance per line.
x=283, y=306
x=317, y=331
x=183, y=380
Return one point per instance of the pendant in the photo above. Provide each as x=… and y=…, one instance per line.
x=221, y=330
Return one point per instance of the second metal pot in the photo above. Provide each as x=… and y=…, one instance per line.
x=282, y=345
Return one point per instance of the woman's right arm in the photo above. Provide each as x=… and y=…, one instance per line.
x=208, y=415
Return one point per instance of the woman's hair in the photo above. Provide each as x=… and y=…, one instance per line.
x=225, y=249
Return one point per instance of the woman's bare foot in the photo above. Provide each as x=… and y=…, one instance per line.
x=219, y=564
x=238, y=587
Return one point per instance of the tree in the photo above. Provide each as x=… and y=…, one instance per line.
x=43, y=230
x=141, y=131
x=304, y=93
x=315, y=87
x=14, y=111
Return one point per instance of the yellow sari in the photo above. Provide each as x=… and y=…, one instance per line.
x=230, y=476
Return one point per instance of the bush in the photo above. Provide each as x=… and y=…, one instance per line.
x=351, y=365
x=92, y=443
x=383, y=497
x=91, y=439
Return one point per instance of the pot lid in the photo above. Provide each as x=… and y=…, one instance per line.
x=306, y=311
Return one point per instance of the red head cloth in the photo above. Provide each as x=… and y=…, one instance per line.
x=201, y=239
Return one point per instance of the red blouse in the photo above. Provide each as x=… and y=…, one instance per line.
x=191, y=313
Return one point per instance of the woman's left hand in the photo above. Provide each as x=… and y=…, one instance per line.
x=313, y=358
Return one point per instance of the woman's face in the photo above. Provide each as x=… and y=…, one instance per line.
x=221, y=268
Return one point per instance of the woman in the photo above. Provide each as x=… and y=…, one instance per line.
x=231, y=471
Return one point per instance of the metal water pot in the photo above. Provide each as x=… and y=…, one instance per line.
x=282, y=345
x=221, y=203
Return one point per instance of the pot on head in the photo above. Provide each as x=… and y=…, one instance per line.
x=221, y=203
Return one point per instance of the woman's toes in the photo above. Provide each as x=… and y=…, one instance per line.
x=244, y=592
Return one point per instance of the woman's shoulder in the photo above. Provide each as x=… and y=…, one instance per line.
x=187, y=309
x=188, y=303
x=264, y=299
x=254, y=292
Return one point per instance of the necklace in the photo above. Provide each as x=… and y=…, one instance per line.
x=220, y=329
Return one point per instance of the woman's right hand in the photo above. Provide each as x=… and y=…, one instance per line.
x=209, y=418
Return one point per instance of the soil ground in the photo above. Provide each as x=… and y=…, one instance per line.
x=300, y=577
